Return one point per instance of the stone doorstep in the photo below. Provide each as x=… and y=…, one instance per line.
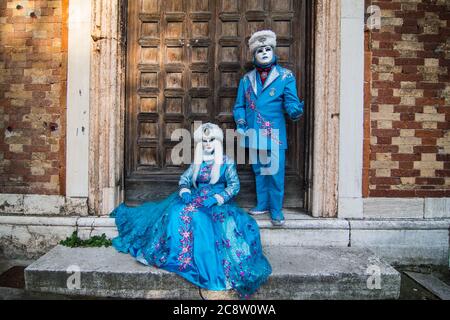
x=298, y=230
x=298, y=274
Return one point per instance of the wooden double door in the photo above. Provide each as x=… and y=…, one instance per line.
x=184, y=62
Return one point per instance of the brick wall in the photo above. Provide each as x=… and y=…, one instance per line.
x=407, y=105
x=33, y=55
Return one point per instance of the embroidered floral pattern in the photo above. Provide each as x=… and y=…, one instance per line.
x=187, y=239
x=240, y=273
x=159, y=248
x=239, y=253
x=254, y=246
x=237, y=233
x=205, y=173
x=287, y=74
x=219, y=217
x=160, y=244
x=226, y=243
x=265, y=125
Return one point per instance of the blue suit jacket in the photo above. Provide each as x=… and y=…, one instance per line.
x=262, y=108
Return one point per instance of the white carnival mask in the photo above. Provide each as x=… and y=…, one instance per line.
x=208, y=145
x=264, y=55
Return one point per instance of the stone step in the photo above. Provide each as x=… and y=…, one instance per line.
x=298, y=273
x=399, y=242
x=299, y=230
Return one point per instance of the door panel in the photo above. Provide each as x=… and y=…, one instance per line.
x=185, y=60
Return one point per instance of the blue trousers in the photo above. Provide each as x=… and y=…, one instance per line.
x=269, y=169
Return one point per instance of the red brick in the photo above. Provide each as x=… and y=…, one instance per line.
x=426, y=149
x=430, y=181
x=385, y=181
x=429, y=133
x=406, y=125
x=409, y=61
x=433, y=193
x=407, y=116
x=429, y=101
x=443, y=173
x=405, y=173
x=384, y=149
x=392, y=193
x=384, y=140
x=406, y=165
x=429, y=141
x=408, y=109
x=385, y=133
x=406, y=157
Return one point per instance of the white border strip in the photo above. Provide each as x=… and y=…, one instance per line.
x=78, y=86
x=351, y=109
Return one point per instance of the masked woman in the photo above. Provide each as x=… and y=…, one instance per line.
x=199, y=232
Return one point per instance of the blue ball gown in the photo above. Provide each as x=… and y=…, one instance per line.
x=216, y=248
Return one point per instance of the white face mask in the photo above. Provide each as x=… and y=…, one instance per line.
x=208, y=146
x=264, y=55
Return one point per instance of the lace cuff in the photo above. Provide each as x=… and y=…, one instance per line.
x=220, y=199
x=184, y=190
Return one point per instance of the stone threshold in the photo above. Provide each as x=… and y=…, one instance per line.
x=293, y=221
x=398, y=241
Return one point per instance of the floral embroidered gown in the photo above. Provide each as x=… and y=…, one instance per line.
x=216, y=249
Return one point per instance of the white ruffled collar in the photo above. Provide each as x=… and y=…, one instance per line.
x=208, y=158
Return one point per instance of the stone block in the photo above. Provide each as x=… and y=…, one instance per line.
x=76, y=207
x=437, y=208
x=31, y=237
x=404, y=242
x=377, y=208
x=11, y=203
x=43, y=205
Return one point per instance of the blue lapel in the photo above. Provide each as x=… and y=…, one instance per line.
x=252, y=78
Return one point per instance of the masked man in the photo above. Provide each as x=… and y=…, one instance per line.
x=265, y=94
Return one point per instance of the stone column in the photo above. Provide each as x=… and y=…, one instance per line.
x=78, y=95
x=351, y=110
x=107, y=104
x=326, y=105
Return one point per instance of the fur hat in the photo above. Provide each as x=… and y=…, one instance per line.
x=261, y=39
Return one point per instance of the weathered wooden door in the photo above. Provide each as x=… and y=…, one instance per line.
x=185, y=59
